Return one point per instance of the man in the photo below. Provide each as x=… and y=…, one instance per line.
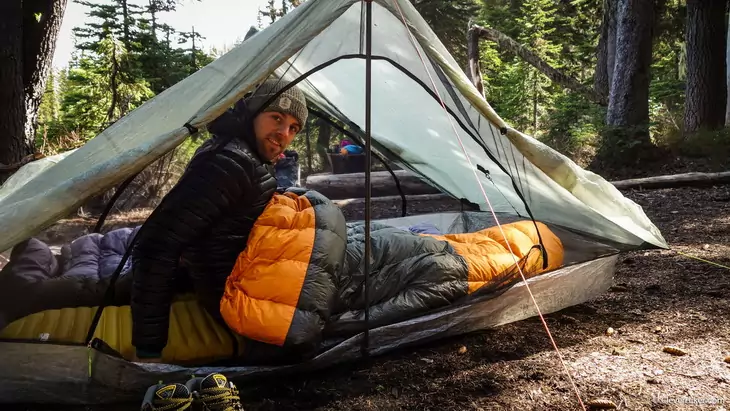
x=203, y=223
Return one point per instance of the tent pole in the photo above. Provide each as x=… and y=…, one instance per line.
x=368, y=99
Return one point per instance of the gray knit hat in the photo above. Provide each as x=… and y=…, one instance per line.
x=291, y=101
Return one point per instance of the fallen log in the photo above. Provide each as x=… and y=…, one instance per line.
x=352, y=185
x=396, y=200
x=675, y=181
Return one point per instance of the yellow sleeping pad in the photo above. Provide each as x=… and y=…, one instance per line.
x=194, y=337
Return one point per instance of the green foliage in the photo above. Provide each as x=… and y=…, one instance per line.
x=666, y=93
x=519, y=92
x=572, y=125
x=576, y=34
x=149, y=57
x=275, y=10
x=449, y=20
x=123, y=57
x=50, y=107
x=88, y=105
x=565, y=34
x=713, y=145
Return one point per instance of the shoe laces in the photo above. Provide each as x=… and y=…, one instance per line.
x=219, y=399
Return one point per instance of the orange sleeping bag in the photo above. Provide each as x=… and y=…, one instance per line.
x=301, y=277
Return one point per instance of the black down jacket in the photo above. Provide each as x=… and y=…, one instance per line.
x=199, y=228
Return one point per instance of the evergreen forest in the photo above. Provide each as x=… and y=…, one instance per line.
x=620, y=86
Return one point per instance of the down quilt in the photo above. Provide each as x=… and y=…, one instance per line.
x=36, y=279
x=301, y=277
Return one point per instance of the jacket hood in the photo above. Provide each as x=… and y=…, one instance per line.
x=237, y=122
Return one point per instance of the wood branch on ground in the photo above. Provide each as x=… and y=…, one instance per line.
x=351, y=187
x=509, y=44
x=676, y=180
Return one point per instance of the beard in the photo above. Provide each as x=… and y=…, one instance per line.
x=268, y=150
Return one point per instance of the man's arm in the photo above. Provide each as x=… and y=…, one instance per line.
x=207, y=190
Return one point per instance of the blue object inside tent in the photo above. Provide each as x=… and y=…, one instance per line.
x=287, y=170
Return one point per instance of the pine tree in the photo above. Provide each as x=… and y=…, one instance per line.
x=96, y=95
x=49, y=109
x=537, y=22
x=196, y=58
x=448, y=19
x=706, y=92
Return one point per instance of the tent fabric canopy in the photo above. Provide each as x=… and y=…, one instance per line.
x=412, y=73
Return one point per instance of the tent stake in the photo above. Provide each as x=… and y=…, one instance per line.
x=368, y=99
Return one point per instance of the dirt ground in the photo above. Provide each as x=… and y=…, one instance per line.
x=612, y=346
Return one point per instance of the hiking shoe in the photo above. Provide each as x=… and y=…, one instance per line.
x=214, y=393
x=167, y=397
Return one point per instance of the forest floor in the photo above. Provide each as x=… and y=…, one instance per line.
x=659, y=298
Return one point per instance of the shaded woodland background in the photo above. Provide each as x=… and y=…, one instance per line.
x=624, y=87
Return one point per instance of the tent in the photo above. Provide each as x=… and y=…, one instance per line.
x=377, y=67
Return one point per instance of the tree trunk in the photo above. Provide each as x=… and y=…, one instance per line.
x=628, y=105
x=625, y=141
x=12, y=98
x=600, y=76
x=535, y=92
x=194, y=63
x=606, y=53
x=28, y=33
x=507, y=43
x=153, y=9
x=472, y=54
x=727, y=76
x=611, y=42
x=126, y=22
x=113, y=85
x=309, y=148
x=39, y=44
x=706, y=90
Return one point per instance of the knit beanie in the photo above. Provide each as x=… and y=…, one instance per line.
x=291, y=101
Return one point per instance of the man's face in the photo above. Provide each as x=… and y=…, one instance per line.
x=274, y=132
